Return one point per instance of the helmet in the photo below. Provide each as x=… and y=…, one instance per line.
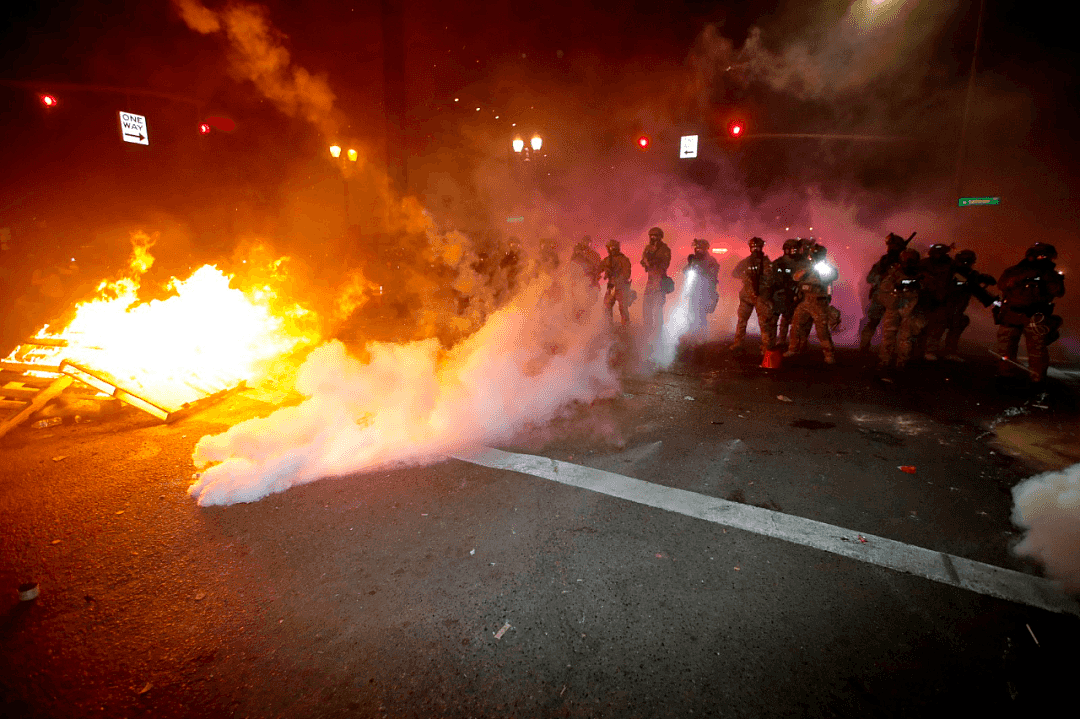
x=791, y=246
x=586, y=241
x=756, y=242
x=909, y=257
x=895, y=241
x=700, y=244
x=613, y=245
x=818, y=252
x=1041, y=251
x=657, y=232
x=965, y=257
x=938, y=250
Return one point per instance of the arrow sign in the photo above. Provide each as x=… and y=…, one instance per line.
x=133, y=129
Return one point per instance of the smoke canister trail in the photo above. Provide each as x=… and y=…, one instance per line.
x=677, y=323
x=1048, y=507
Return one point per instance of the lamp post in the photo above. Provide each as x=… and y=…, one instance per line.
x=353, y=156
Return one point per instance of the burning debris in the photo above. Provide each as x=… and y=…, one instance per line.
x=162, y=356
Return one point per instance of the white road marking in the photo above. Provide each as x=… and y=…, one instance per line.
x=948, y=569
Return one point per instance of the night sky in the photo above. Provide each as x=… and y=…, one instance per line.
x=592, y=77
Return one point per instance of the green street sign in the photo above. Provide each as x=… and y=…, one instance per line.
x=966, y=201
x=515, y=219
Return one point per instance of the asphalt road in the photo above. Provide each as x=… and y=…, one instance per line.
x=460, y=590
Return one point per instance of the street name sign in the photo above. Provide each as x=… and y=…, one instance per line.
x=515, y=219
x=133, y=129
x=688, y=146
x=967, y=201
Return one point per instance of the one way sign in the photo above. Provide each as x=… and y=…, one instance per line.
x=133, y=129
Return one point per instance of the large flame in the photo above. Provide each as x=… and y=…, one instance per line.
x=207, y=336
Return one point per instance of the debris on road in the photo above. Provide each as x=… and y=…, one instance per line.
x=200, y=596
x=50, y=422
x=1032, y=635
x=910, y=469
x=57, y=459
x=28, y=591
x=472, y=552
x=55, y=541
x=689, y=398
x=782, y=398
x=146, y=688
x=503, y=630
x=862, y=539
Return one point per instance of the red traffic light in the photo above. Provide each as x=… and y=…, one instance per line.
x=48, y=100
x=736, y=128
x=643, y=142
x=204, y=129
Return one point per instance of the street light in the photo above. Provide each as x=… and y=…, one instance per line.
x=353, y=155
x=536, y=143
x=48, y=100
x=335, y=151
x=519, y=144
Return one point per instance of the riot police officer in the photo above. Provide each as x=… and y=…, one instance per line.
x=901, y=293
x=1028, y=290
x=706, y=275
x=895, y=244
x=964, y=284
x=616, y=267
x=785, y=290
x=755, y=295
x=656, y=258
x=815, y=280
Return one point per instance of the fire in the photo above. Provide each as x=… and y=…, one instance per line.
x=206, y=337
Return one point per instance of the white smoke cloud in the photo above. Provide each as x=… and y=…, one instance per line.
x=1048, y=507
x=416, y=403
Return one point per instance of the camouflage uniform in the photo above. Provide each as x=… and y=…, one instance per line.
x=964, y=284
x=937, y=270
x=814, y=308
x=755, y=296
x=1028, y=290
x=584, y=276
x=785, y=290
x=616, y=267
x=705, y=297
x=655, y=259
x=875, y=311
x=900, y=292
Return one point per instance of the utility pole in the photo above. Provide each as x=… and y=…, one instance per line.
x=964, y=125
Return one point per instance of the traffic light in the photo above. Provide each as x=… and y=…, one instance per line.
x=47, y=100
x=204, y=128
x=643, y=142
x=736, y=128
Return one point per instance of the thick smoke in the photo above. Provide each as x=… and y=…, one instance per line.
x=258, y=54
x=1048, y=507
x=415, y=403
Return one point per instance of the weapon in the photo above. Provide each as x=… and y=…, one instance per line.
x=909, y=239
x=1003, y=358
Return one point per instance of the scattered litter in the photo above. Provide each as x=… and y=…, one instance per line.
x=50, y=422
x=782, y=398
x=910, y=469
x=564, y=687
x=472, y=552
x=1040, y=406
x=55, y=541
x=737, y=568
x=28, y=591
x=954, y=489
x=492, y=563
x=716, y=423
x=146, y=688
x=505, y=627
x=741, y=416
x=887, y=379
x=120, y=512
x=423, y=514
x=689, y=398
x=627, y=395
x=200, y=596
x=862, y=539
x=57, y=459
x=1032, y=635
x=661, y=555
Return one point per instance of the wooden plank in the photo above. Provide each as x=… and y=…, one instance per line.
x=106, y=386
x=19, y=392
x=29, y=367
x=44, y=397
x=11, y=404
x=25, y=380
x=46, y=342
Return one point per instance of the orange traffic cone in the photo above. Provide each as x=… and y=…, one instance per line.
x=770, y=359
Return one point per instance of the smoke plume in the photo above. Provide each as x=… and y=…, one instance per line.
x=415, y=403
x=1048, y=507
x=258, y=54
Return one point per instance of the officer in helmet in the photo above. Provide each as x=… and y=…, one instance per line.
x=964, y=284
x=616, y=268
x=755, y=295
x=785, y=290
x=1028, y=290
x=656, y=258
x=901, y=294
x=937, y=269
x=894, y=244
x=815, y=280
x=706, y=272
